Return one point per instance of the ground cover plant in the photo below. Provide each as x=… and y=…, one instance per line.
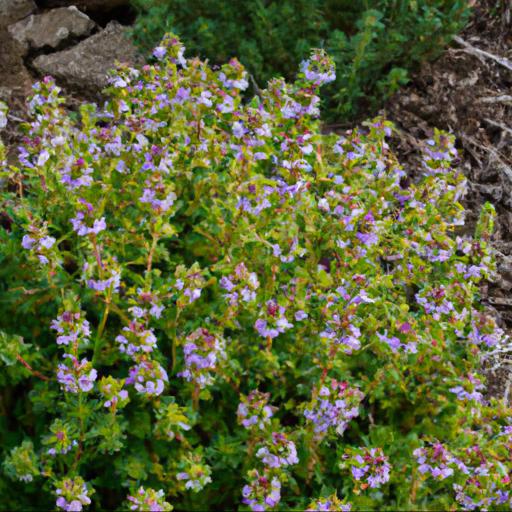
x=374, y=44
x=208, y=304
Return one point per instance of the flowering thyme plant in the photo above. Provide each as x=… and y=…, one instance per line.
x=217, y=306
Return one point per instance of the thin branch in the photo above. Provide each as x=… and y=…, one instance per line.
x=469, y=48
x=503, y=98
x=15, y=118
x=496, y=157
x=29, y=368
x=505, y=128
x=255, y=85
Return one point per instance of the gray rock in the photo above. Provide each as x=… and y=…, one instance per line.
x=51, y=28
x=14, y=10
x=85, y=66
x=14, y=78
x=90, y=5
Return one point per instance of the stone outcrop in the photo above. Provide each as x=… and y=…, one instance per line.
x=14, y=10
x=51, y=29
x=90, y=5
x=85, y=66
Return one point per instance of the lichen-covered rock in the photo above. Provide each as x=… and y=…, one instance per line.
x=85, y=66
x=51, y=28
x=14, y=10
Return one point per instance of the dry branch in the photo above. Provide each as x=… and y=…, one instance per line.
x=503, y=98
x=472, y=50
x=503, y=127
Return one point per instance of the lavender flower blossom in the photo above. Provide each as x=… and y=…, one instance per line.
x=262, y=492
x=136, y=339
x=148, y=378
x=203, y=351
x=333, y=407
x=369, y=464
x=275, y=321
x=148, y=500
x=241, y=285
x=278, y=452
x=81, y=227
x=38, y=242
x=319, y=69
x=77, y=375
x=330, y=504
x=254, y=410
x=71, y=327
x=72, y=494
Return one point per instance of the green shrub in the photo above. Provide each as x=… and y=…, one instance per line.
x=374, y=44
x=210, y=304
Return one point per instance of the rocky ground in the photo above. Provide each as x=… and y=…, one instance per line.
x=467, y=90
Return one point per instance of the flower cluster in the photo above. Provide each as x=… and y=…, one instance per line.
x=76, y=375
x=333, y=406
x=38, y=242
x=263, y=491
x=367, y=465
x=319, y=69
x=470, y=388
x=72, y=494
x=71, y=328
x=112, y=391
x=136, y=339
x=148, y=378
x=330, y=504
x=240, y=286
x=253, y=410
x=189, y=284
x=193, y=473
x=148, y=500
x=436, y=460
x=436, y=302
x=274, y=321
x=279, y=451
x=203, y=351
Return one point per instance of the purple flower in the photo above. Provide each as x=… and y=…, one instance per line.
x=82, y=229
x=71, y=328
x=159, y=52
x=76, y=376
x=254, y=410
x=369, y=464
x=148, y=378
x=275, y=321
x=333, y=406
x=262, y=492
x=278, y=452
x=28, y=242
x=203, y=351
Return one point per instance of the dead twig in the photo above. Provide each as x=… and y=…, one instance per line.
x=503, y=98
x=257, y=90
x=472, y=50
x=503, y=127
x=494, y=155
x=15, y=118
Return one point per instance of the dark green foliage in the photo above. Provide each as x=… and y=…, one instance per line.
x=374, y=43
